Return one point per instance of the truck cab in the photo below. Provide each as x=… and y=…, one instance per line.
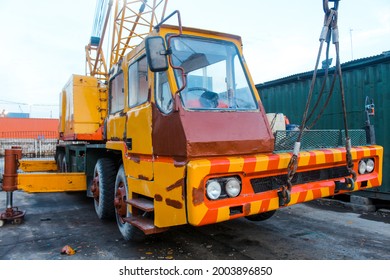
x=195, y=143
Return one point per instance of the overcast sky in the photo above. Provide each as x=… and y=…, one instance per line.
x=43, y=41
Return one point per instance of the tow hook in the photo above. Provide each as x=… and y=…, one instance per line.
x=284, y=196
x=347, y=185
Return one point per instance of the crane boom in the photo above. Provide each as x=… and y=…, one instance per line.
x=132, y=21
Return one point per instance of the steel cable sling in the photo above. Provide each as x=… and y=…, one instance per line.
x=329, y=30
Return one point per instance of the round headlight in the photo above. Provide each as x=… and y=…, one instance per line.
x=362, y=167
x=370, y=165
x=213, y=189
x=233, y=187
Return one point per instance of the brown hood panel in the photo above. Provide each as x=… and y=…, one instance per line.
x=226, y=133
x=189, y=134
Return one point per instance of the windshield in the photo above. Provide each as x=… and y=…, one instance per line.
x=216, y=79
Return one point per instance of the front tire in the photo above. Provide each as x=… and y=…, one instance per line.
x=103, y=186
x=122, y=193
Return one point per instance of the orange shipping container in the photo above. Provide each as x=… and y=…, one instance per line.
x=28, y=128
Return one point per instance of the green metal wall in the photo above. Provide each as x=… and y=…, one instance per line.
x=364, y=77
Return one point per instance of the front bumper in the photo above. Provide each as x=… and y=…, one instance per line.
x=262, y=178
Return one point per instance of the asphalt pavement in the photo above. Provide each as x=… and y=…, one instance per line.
x=317, y=230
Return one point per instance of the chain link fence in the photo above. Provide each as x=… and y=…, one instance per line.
x=318, y=139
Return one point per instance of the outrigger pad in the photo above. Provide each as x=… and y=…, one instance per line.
x=13, y=215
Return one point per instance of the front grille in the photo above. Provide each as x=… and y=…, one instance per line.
x=270, y=183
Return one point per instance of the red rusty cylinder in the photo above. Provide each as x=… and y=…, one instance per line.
x=17, y=151
x=11, y=164
x=10, y=169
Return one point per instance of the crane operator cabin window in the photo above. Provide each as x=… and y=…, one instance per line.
x=138, y=82
x=117, y=98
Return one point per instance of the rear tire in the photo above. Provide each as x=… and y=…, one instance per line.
x=104, y=182
x=261, y=217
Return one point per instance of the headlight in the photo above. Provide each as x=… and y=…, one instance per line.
x=233, y=187
x=213, y=189
x=366, y=166
x=370, y=165
x=362, y=167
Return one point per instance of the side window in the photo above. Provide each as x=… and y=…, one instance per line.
x=163, y=93
x=117, y=97
x=138, y=82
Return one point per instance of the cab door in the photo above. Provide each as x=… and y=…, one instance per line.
x=116, y=105
x=139, y=122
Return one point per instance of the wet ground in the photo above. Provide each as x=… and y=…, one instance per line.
x=316, y=230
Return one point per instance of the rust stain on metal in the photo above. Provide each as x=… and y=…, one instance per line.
x=174, y=203
x=247, y=209
x=177, y=184
x=197, y=195
x=158, y=197
x=142, y=177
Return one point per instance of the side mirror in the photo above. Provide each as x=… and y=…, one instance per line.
x=156, y=54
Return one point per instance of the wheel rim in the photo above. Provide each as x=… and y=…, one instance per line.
x=120, y=202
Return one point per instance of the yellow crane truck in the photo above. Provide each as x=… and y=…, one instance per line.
x=177, y=134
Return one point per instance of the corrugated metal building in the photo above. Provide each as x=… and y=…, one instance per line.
x=367, y=77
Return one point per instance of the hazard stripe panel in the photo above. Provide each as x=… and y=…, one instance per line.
x=272, y=167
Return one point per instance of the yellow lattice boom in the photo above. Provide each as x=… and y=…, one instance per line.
x=132, y=21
